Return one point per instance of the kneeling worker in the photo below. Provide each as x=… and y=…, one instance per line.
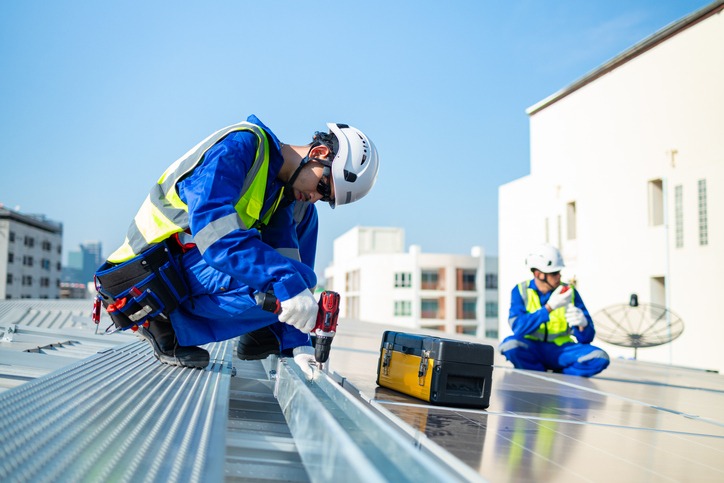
x=544, y=314
x=220, y=226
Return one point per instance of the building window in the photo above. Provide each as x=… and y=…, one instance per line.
x=29, y=241
x=466, y=279
x=491, y=281
x=9, y=279
x=429, y=308
x=431, y=279
x=656, y=202
x=403, y=308
x=571, y=220
x=466, y=329
x=46, y=246
x=679, y=215
x=11, y=257
x=403, y=279
x=658, y=290
x=11, y=236
x=703, y=222
x=466, y=308
x=491, y=309
x=352, y=281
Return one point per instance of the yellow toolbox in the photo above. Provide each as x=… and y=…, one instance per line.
x=441, y=371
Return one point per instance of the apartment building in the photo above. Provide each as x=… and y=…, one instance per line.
x=381, y=282
x=31, y=248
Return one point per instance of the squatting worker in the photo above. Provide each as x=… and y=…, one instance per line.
x=235, y=216
x=545, y=316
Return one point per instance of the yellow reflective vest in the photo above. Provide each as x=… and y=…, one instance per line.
x=163, y=213
x=556, y=330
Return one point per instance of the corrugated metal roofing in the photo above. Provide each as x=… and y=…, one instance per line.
x=634, y=422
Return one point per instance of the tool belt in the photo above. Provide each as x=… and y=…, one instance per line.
x=147, y=286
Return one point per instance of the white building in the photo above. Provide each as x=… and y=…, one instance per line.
x=30, y=252
x=379, y=282
x=627, y=179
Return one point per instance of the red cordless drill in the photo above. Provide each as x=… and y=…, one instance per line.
x=326, y=326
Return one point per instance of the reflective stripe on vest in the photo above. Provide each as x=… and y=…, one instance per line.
x=556, y=330
x=163, y=213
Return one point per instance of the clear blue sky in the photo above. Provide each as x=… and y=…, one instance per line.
x=98, y=98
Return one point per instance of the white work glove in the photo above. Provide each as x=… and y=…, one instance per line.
x=575, y=317
x=304, y=357
x=559, y=299
x=300, y=311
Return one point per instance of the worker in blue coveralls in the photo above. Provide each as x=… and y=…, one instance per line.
x=240, y=206
x=552, y=329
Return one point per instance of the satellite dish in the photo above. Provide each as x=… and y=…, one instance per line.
x=637, y=325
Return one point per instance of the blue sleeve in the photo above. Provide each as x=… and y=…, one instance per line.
x=520, y=320
x=211, y=193
x=307, y=230
x=282, y=234
x=586, y=335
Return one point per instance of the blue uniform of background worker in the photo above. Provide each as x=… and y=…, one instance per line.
x=545, y=316
x=240, y=207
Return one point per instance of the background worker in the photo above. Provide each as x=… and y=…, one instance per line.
x=226, y=212
x=544, y=315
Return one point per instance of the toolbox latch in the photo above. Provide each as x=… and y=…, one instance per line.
x=422, y=371
x=386, y=361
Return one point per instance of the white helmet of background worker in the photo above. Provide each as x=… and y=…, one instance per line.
x=355, y=164
x=545, y=258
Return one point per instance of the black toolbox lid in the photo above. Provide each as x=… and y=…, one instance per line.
x=441, y=349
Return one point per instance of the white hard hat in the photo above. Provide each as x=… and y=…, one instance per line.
x=355, y=166
x=545, y=258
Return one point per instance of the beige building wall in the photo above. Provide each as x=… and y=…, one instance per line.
x=608, y=156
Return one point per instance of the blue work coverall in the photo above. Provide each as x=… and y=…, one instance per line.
x=580, y=359
x=223, y=280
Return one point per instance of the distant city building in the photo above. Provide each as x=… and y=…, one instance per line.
x=31, y=248
x=83, y=263
x=379, y=282
x=626, y=177
x=491, y=297
x=73, y=290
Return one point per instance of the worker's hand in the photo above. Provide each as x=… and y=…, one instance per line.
x=304, y=357
x=559, y=299
x=575, y=317
x=300, y=311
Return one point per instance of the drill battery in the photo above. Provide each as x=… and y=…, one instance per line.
x=441, y=371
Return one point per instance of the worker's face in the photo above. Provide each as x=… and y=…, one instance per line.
x=312, y=184
x=547, y=282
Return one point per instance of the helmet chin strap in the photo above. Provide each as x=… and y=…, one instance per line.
x=295, y=175
x=545, y=280
x=306, y=159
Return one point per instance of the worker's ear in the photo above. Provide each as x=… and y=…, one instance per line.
x=320, y=151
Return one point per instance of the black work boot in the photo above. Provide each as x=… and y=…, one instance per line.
x=162, y=338
x=257, y=344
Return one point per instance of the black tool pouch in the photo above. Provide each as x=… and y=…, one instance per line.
x=147, y=286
